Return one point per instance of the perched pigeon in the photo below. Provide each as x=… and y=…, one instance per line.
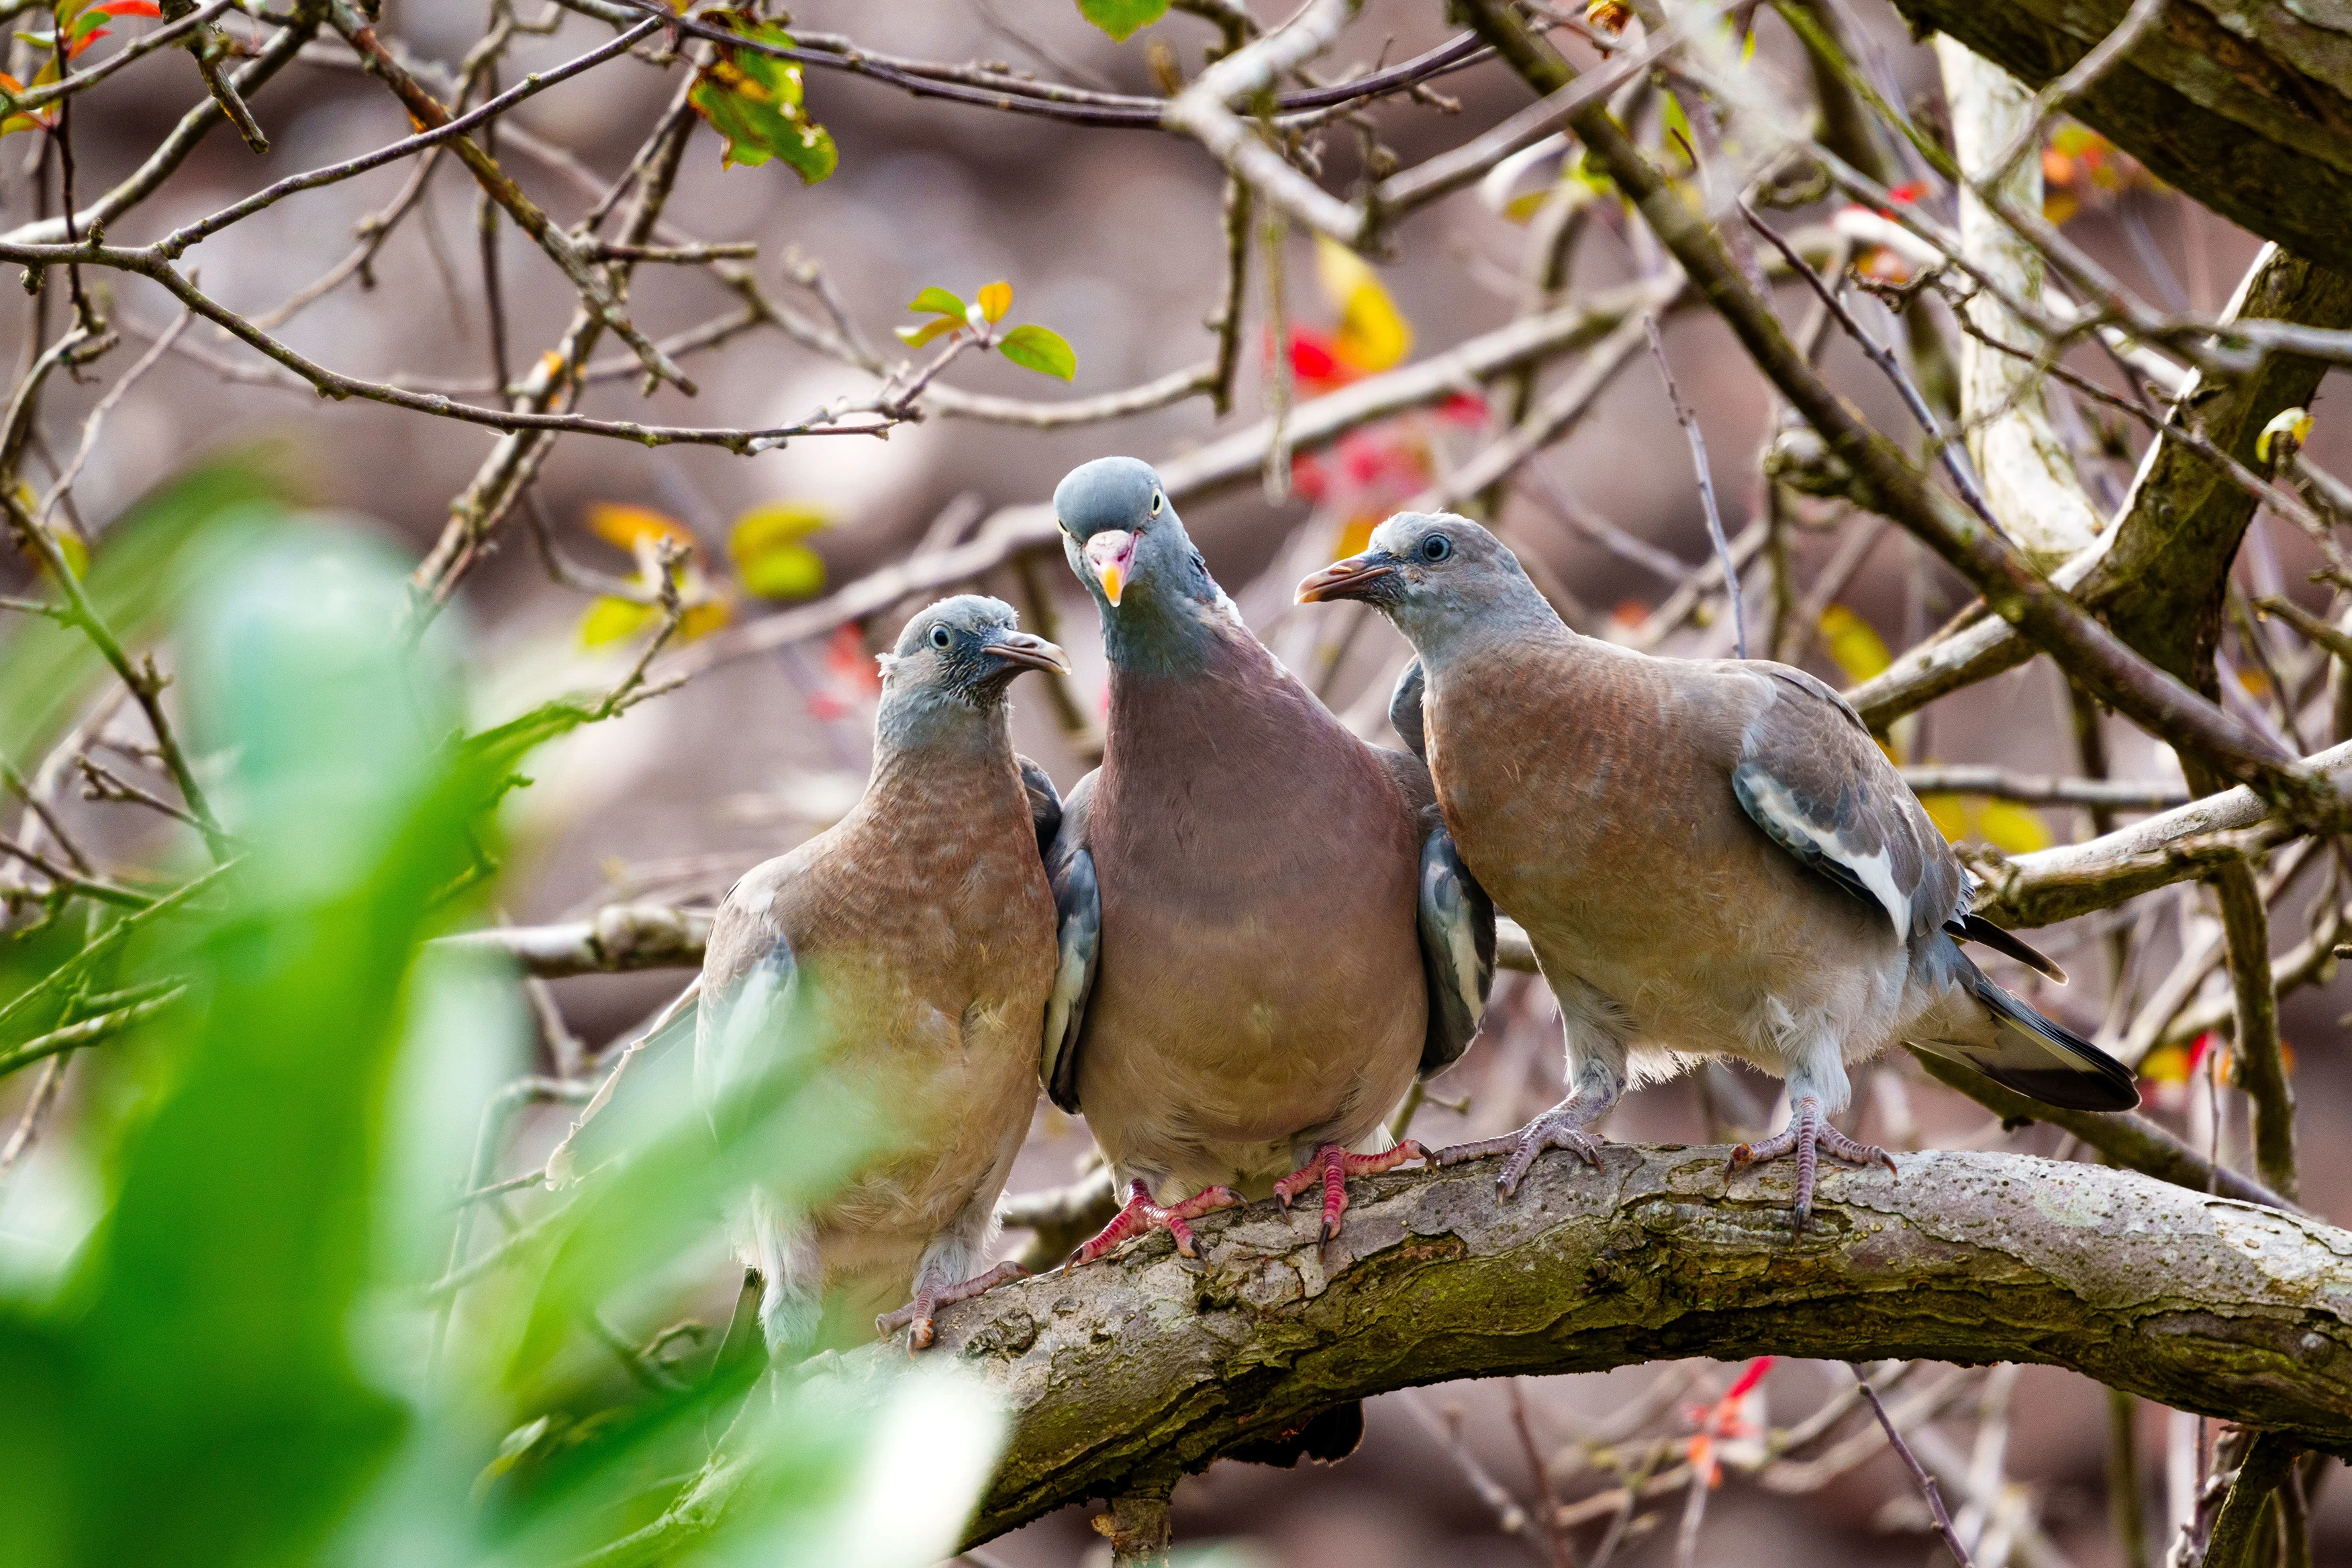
x=1711, y=857
x=911, y=947
x=1265, y=932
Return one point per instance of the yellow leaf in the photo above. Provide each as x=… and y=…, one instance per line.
x=995, y=298
x=1373, y=333
x=2256, y=682
x=2057, y=207
x=702, y=619
x=625, y=526
x=610, y=620
x=76, y=554
x=1356, y=535
x=2012, y=828
x=1949, y=815
x=2294, y=424
x=2166, y=1064
x=1854, y=644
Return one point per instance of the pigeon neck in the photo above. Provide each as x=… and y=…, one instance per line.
x=1466, y=625
x=1173, y=618
x=917, y=726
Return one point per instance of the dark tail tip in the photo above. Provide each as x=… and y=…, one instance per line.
x=1976, y=928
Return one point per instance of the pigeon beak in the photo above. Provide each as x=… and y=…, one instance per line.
x=1111, y=555
x=1348, y=579
x=1020, y=650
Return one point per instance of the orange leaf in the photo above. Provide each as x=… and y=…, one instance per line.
x=625, y=526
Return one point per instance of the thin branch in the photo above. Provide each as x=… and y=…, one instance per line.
x=1919, y=1471
x=1948, y=452
x=88, y=1031
x=33, y=99
x=92, y=426
x=1689, y=422
x=176, y=242
x=2060, y=94
x=2030, y=789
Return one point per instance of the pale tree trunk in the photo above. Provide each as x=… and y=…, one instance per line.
x=2028, y=475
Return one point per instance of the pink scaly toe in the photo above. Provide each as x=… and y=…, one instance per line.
x=1332, y=1166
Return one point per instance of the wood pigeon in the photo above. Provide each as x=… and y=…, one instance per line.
x=905, y=955
x=1265, y=930
x=1711, y=857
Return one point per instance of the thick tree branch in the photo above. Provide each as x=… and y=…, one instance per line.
x=1135, y=1371
x=2245, y=106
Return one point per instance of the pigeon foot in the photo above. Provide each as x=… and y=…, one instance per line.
x=1561, y=1127
x=1809, y=1133
x=1332, y=1166
x=916, y=1317
x=1141, y=1217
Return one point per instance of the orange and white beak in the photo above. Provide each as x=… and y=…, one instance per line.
x=1110, y=556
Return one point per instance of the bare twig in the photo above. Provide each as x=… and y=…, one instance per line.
x=1919, y=1471
x=1689, y=422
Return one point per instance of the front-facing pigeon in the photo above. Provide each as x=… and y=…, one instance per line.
x=1711, y=857
x=1265, y=932
x=902, y=960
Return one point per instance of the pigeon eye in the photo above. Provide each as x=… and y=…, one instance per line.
x=940, y=636
x=1436, y=547
x=1158, y=500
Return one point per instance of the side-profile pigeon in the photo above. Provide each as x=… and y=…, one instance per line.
x=1265, y=932
x=907, y=956
x=1711, y=857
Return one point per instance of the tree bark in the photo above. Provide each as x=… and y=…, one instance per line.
x=2159, y=582
x=2244, y=104
x=1123, y=1375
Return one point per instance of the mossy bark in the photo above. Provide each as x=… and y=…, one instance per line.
x=1125, y=1375
x=2244, y=104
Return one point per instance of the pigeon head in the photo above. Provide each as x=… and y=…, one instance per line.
x=1129, y=548
x=958, y=655
x=1438, y=577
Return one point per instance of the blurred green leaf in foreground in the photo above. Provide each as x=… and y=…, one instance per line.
x=248, y=1359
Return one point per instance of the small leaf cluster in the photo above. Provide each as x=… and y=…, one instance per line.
x=754, y=101
x=1037, y=348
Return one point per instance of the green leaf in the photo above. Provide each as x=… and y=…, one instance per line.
x=1040, y=349
x=770, y=559
x=753, y=100
x=1122, y=18
x=938, y=300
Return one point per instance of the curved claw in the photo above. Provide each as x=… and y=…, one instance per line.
x=1809, y=1134
x=920, y=1316
x=1331, y=1166
x=1550, y=1130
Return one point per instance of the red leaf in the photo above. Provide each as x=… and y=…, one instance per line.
x=1315, y=360
x=129, y=8
x=1309, y=478
x=1463, y=408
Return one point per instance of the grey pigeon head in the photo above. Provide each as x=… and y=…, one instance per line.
x=1127, y=544
x=1439, y=577
x=964, y=650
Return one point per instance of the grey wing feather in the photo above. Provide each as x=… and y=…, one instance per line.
x=749, y=978
x=1811, y=776
x=1458, y=952
x=1404, y=708
x=1077, y=903
x=1044, y=804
